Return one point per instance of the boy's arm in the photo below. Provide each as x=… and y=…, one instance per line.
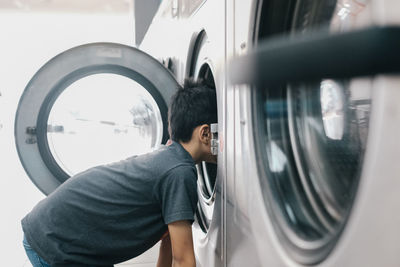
x=180, y=233
x=165, y=256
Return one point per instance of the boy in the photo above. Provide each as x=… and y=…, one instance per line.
x=111, y=213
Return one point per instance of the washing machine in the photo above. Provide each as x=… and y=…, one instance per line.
x=316, y=174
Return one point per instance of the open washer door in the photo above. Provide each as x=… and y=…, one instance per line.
x=91, y=105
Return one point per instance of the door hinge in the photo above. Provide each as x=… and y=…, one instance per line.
x=214, y=138
x=31, y=130
x=32, y=138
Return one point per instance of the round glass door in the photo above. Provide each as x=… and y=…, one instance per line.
x=201, y=70
x=312, y=136
x=106, y=117
x=91, y=105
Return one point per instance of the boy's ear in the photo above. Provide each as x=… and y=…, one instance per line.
x=205, y=134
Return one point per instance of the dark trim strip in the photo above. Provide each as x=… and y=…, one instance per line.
x=366, y=52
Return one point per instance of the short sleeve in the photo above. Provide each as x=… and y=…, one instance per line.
x=178, y=194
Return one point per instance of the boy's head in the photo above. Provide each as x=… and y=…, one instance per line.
x=192, y=106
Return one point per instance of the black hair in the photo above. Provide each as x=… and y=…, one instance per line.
x=193, y=105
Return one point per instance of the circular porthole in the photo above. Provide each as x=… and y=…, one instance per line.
x=200, y=69
x=206, y=172
x=106, y=117
x=90, y=105
x=311, y=138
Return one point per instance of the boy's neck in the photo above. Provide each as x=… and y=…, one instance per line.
x=191, y=148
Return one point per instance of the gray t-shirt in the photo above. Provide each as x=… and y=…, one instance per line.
x=111, y=213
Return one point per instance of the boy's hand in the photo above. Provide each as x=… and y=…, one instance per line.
x=180, y=234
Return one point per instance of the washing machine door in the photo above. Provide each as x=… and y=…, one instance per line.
x=311, y=122
x=90, y=105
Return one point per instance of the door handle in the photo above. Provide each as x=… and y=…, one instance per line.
x=320, y=55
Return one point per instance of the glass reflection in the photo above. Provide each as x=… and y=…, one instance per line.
x=207, y=174
x=100, y=119
x=332, y=104
x=277, y=159
x=347, y=14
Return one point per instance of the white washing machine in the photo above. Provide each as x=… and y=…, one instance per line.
x=316, y=168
